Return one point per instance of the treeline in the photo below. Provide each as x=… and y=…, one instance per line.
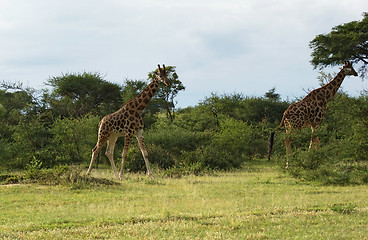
x=59, y=126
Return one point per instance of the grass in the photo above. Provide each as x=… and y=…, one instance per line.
x=258, y=202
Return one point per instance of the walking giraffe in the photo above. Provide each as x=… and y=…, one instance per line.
x=309, y=111
x=127, y=122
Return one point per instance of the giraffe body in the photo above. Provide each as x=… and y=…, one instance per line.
x=309, y=112
x=127, y=122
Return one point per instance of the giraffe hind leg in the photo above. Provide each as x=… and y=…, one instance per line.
x=288, y=151
x=140, y=139
x=110, y=154
x=314, y=142
x=124, y=155
x=95, y=152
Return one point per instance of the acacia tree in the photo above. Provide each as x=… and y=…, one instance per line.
x=75, y=95
x=272, y=95
x=348, y=41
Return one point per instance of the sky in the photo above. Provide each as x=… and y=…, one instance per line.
x=217, y=46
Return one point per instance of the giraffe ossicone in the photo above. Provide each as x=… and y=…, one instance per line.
x=127, y=122
x=310, y=111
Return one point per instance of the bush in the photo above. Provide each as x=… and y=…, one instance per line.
x=9, y=178
x=29, y=140
x=73, y=139
x=171, y=146
x=176, y=139
x=328, y=166
x=165, y=145
x=58, y=175
x=241, y=140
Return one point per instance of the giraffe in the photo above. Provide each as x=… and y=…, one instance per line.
x=310, y=111
x=127, y=122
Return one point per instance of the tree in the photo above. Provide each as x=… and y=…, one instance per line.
x=131, y=89
x=348, y=41
x=17, y=101
x=167, y=94
x=82, y=93
x=272, y=95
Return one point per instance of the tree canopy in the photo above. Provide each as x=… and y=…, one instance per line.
x=347, y=41
x=78, y=94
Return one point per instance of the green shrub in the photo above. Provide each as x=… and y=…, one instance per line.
x=344, y=208
x=73, y=139
x=156, y=155
x=72, y=177
x=29, y=140
x=328, y=166
x=9, y=178
x=165, y=145
x=175, y=139
x=172, y=147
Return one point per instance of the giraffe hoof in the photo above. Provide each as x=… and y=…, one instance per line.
x=120, y=177
x=117, y=177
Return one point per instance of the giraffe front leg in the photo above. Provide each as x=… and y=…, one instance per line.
x=317, y=143
x=123, y=158
x=140, y=139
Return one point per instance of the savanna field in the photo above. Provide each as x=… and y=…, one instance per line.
x=212, y=179
x=259, y=201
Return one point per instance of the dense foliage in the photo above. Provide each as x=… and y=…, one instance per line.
x=220, y=133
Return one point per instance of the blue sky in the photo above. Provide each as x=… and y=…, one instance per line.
x=217, y=46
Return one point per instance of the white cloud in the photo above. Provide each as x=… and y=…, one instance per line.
x=217, y=46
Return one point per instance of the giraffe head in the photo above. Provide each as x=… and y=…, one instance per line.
x=348, y=69
x=162, y=75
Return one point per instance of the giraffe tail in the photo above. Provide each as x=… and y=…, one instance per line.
x=270, y=145
x=271, y=138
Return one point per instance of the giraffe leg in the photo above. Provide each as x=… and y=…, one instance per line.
x=110, y=153
x=140, y=139
x=317, y=143
x=124, y=155
x=314, y=143
x=95, y=152
x=288, y=150
x=314, y=140
x=310, y=144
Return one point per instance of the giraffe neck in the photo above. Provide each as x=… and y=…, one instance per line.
x=324, y=94
x=140, y=102
x=331, y=88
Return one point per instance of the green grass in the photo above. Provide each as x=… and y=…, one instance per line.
x=258, y=202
